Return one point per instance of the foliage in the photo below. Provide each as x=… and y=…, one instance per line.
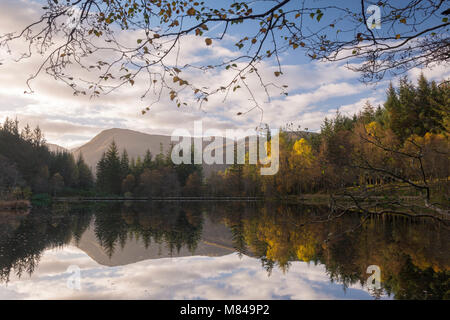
x=151, y=177
x=26, y=162
x=384, y=149
x=143, y=40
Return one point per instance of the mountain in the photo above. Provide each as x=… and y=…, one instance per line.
x=216, y=240
x=136, y=144
x=55, y=148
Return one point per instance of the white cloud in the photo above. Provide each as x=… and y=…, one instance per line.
x=315, y=90
x=437, y=73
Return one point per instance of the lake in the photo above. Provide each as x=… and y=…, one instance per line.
x=219, y=250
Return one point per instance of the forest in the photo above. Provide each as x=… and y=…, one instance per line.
x=400, y=148
x=28, y=169
x=148, y=177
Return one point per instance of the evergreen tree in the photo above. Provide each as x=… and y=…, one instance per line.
x=85, y=179
x=113, y=178
x=148, y=163
x=35, y=164
x=124, y=164
x=395, y=112
x=101, y=173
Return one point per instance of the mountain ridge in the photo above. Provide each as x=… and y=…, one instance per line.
x=137, y=143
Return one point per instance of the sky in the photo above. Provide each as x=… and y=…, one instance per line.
x=316, y=91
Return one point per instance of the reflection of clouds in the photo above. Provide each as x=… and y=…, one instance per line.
x=226, y=277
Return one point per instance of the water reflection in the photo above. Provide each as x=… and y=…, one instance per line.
x=219, y=251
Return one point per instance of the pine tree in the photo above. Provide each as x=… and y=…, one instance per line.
x=113, y=170
x=368, y=113
x=422, y=105
x=101, y=173
x=148, y=163
x=440, y=103
x=27, y=133
x=85, y=179
x=410, y=120
x=395, y=111
x=124, y=164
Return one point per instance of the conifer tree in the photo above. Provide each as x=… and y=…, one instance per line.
x=124, y=164
x=85, y=179
x=148, y=162
x=113, y=178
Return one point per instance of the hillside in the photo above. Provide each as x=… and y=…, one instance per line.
x=55, y=148
x=216, y=240
x=136, y=143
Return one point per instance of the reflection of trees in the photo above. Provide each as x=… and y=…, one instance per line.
x=22, y=243
x=413, y=283
x=110, y=227
x=412, y=254
x=235, y=214
x=160, y=223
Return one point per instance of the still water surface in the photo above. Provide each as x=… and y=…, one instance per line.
x=218, y=251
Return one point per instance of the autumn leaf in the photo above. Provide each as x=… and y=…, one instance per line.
x=208, y=41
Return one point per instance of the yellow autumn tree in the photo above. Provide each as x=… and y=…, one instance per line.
x=304, y=168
